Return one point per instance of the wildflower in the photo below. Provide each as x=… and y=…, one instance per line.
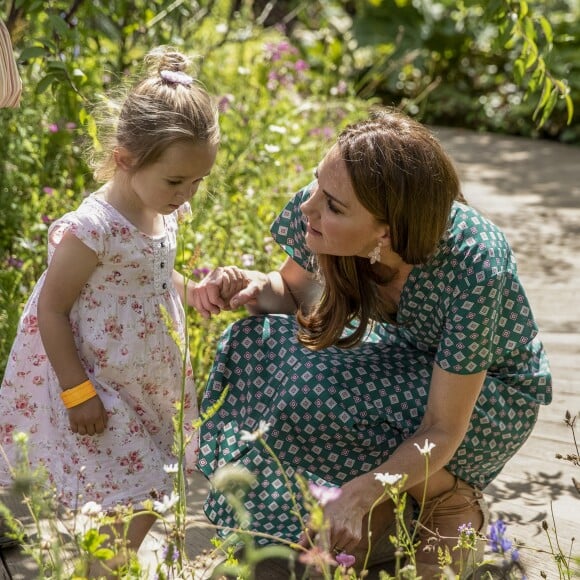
x=172, y=468
x=339, y=89
x=277, y=129
x=467, y=536
x=316, y=557
x=15, y=262
x=497, y=540
x=92, y=508
x=53, y=128
x=344, y=559
x=166, y=503
x=48, y=190
x=387, y=478
x=248, y=260
x=70, y=126
x=225, y=103
x=323, y=493
x=271, y=148
x=170, y=554
x=426, y=449
x=262, y=429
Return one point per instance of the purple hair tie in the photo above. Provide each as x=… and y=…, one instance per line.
x=176, y=77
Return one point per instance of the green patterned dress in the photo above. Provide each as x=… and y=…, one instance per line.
x=337, y=413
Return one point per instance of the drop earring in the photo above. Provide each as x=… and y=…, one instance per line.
x=375, y=255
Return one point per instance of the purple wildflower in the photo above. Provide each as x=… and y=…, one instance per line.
x=53, y=128
x=346, y=560
x=170, y=553
x=300, y=65
x=15, y=262
x=497, y=540
x=48, y=190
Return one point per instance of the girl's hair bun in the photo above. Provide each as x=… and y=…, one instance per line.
x=166, y=58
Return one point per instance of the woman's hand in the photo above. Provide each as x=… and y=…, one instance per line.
x=344, y=518
x=88, y=418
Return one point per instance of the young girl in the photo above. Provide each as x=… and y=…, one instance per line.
x=94, y=374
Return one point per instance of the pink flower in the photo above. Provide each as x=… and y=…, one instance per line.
x=316, y=557
x=53, y=128
x=48, y=190
x=323, y=493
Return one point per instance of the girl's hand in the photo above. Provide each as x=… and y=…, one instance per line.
x=225, y=288
x=88, y=418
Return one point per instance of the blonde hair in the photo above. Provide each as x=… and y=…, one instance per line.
x=403, y=177
x=166, y=107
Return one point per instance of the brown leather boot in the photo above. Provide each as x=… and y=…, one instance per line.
x=438, y=528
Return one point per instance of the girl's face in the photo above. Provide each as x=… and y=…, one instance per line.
x=338, y=224
x=174, y=178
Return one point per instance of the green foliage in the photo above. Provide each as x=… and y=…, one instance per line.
x=285, y=91
x=507, y=66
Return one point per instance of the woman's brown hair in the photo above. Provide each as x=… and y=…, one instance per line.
x=403, y=177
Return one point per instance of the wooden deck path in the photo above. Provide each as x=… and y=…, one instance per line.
x=532, y=190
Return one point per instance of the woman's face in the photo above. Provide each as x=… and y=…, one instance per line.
x=338, y=224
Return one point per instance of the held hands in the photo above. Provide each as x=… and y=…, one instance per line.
x=226, y=288
x=88, y=418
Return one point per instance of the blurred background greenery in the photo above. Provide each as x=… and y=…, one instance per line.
x=288, y=75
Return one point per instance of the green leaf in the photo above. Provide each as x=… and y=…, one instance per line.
x=56, y=65
x=519, y=70
x=549, y=107
x=547, y=28
x=59, y=25
x=544, y=97
x=31, y=52
x=569, y=108
x=45, y=82
x=532, y=57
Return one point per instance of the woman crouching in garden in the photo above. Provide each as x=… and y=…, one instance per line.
x=396, y=329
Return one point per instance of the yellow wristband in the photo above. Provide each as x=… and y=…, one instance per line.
x=79, y=394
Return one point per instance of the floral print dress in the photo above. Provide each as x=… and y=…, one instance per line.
x=337, y=413
x=130, y=356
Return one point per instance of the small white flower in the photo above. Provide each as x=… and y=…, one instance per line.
x=171, y=468
x=166, y=504
x=277, y=129
x=426, y=449
x=242, y=70
x=221, y=28
x=262, y=429
x=271, y=148
x=387, y=478
x=92, y=508
x=248, y=260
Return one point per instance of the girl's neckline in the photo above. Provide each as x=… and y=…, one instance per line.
x=97, y=197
